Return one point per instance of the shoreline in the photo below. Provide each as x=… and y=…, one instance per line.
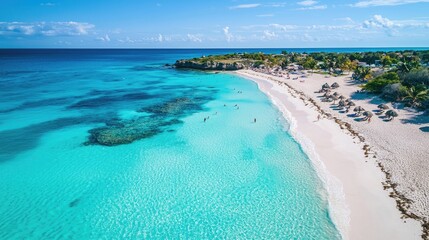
x=359, y=207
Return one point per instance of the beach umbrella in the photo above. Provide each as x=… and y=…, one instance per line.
x=350, y=103
x=326, y=85
x=341, y=103
x=368, y=114
x=342, y=97
x=335, y=98
x=335, y=85
x=383, y=106
x=358, y=109
x=336, y=94
x=391, y=114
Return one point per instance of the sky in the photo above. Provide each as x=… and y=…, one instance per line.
x=213, y=23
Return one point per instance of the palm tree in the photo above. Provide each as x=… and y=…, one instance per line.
x=407, y=66
x=415, y=96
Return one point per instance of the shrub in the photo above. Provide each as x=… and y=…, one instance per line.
x=377, y=84
x=415, y=77
x=394, y=92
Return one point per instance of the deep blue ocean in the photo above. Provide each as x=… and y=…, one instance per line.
x=115, y=144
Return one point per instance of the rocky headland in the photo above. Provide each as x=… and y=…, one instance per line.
x=209, y=65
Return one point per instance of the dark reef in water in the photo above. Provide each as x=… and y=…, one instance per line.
x=124, y=132
x=119, y=132
x=74, y=203
x=177, y=107
x=107, y=100
x=18, y=140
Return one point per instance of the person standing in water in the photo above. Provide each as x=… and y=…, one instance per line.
x=254, y=120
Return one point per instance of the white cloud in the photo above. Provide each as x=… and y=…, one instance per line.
x=127, y=40
x=307, y=3
x=282, y=27
x=346, y=19
x=347, y=29
x=392, y=27
x=160, y=38
x=276, y=4
x=229, y=37
x=106, y=38
x=241, y=6
x=309, y=38
x=45, y=28
x=265, y=15
x=48, y=4
x=379, y=22
x=316, y=7
x=372, y=3
x=194, y=38
x=269, y=35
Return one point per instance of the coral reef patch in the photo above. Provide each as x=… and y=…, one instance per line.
x=161, y=116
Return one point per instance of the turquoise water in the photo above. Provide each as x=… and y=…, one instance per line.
x=178, y=177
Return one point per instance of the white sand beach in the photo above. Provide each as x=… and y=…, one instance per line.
x=392, y=155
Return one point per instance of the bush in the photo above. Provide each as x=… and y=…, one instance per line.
x=258, y=63
x=393, y=92
x=415, y=77
x=377, y=84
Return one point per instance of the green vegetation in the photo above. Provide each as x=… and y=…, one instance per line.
x=408, y=82
x=397, y=76
x=362, y=73
x=377, y=84
x=416, y=95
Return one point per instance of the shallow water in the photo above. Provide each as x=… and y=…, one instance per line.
x=227, y=177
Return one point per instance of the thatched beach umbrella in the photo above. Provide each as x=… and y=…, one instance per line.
x=336, y=94
x=358, y=109
x=335, y=85
x=328, y=97
x=391, y=114
x=350, y=104
x=383, y=107
x=367, y=114
x=325, y=86
x=341, y=103
x=342, y=97
x=326, y=90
